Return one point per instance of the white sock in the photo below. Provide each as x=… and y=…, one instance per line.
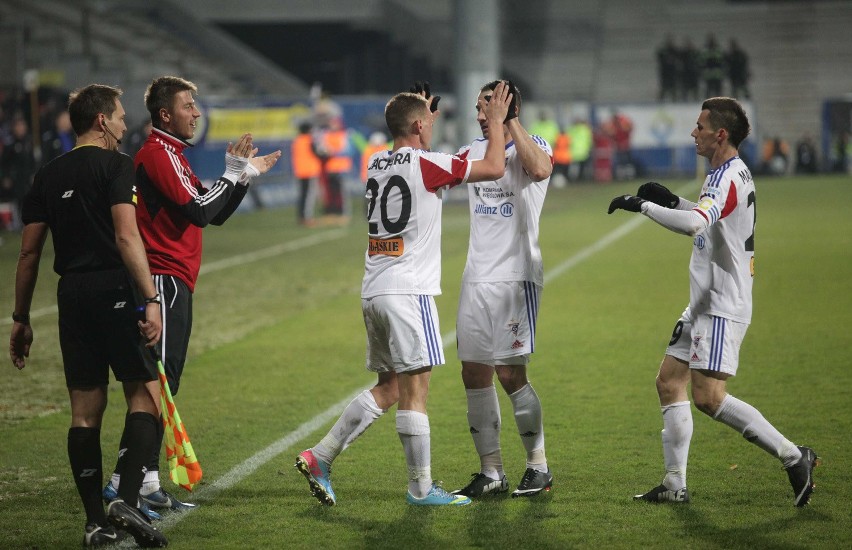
x=756, y=429
x=358, y=415
x=677, y=434
x=483, y=417
x=115, y=480
x=413, y=430
x=151, y=482
x=528, y=417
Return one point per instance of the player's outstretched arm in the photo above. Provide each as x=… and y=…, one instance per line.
x=625, y=202
x=685, y=222
x=658, y=194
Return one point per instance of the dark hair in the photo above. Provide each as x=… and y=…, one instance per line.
x=402, y=110
x=727, y=113
x=161, y=94
x=85, y=104
x=516, y=99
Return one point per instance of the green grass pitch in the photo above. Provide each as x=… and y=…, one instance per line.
x=278, y=345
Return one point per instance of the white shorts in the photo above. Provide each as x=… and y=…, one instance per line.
x=708, y=342
x=496, y=322
x=403, y=333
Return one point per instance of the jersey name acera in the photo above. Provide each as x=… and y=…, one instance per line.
x=504, y=221
x=403, y=191
x=722, y=265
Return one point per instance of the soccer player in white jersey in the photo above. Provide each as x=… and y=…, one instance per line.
x=499, y=301
x=402, y=276
x=704, y=348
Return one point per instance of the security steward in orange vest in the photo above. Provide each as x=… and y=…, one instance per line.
x=307, y=168
x=338, y=163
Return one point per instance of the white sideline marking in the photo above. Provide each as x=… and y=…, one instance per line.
x=246, y=468
x=225, y=263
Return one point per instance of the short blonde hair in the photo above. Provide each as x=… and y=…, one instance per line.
x=402, y=110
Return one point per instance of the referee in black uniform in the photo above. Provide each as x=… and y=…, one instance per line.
x=106, y=298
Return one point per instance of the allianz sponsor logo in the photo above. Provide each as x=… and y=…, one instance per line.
x=507, y=209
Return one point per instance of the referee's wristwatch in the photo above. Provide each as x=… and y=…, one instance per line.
x=154, y=300
x=23, y=318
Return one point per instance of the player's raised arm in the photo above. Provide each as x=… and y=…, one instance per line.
x=537, y=163
x=493, y=165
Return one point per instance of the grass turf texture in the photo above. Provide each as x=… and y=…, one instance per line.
x=279, y=340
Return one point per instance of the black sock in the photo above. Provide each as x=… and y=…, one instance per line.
x=84, y=453
x=154, y=461
x=122, y=449
x=140, y=433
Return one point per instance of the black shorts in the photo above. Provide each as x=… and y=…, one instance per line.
x=177, y=326
x=98, y=329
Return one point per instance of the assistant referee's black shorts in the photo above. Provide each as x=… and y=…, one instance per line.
x=98, y=329
x=177, y=326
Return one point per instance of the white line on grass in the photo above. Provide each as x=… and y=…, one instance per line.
x=246, y=468
x=225, y=263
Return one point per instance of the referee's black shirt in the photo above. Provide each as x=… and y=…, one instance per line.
x=74, y=194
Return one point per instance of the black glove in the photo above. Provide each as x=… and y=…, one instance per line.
x=423, y=88
x=658, y=194
x=625, y=202
x=513, y=105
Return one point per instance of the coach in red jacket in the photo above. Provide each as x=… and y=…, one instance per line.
x=175, y=206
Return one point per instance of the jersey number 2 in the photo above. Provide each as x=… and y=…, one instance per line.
x=749, y=243
x=393, y=227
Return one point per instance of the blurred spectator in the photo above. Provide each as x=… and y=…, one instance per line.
x=736, y=61
x=137, y=137
x=776, y=154
x=604, y=151
x=545, y=127
x=668, y=65
x=337, y=164
x=690, y=71
x=307, y=168
x=378, y=142
x=561, y=159
x=712, y=67
x=59, y=139
x=622, y=129
x=580, y=134
x=806, y=156
x=17, y=165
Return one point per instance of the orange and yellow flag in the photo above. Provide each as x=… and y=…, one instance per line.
x=184, y=468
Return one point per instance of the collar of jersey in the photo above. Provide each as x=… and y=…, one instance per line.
x=168, y=136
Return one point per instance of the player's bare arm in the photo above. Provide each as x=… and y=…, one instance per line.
x=493, y=165
x=537, y=164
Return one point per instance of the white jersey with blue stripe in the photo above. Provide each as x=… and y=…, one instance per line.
x=722, y=265
x=504, y=220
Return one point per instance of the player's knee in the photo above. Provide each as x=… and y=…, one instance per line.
x=512, y=378
x=667, y=388
x=706, y=402
x=477, y=375
x=386, y=395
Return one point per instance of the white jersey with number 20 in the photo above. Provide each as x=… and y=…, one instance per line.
x=404, y=220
